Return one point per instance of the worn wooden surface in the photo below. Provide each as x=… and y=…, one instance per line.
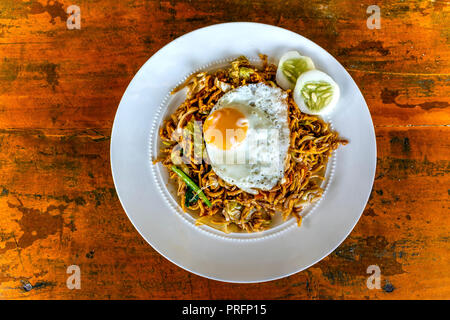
x=59, y=90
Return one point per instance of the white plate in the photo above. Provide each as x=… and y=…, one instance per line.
x=142, y=186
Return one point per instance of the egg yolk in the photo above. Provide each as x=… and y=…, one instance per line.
x=225, y=128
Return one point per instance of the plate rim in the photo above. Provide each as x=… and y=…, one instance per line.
x=114, y=175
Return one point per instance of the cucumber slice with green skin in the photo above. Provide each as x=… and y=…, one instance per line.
x=292, y=64
x=316, y=93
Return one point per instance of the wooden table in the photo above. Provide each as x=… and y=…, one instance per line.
x=59, y=90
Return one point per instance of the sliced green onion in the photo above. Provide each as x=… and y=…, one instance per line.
x=191, y=184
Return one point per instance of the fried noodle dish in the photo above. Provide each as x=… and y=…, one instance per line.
x=224, y=206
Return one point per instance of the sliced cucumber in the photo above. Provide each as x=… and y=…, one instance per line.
x=316, y=92
x=292, y=64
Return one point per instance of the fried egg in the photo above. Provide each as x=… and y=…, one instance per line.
x=247, y=137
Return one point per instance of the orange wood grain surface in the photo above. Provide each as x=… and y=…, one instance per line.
x=59, y=90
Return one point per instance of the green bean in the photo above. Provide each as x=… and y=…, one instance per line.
x=191, y=184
